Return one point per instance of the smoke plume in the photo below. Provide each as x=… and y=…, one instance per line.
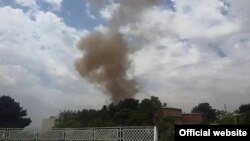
x=105, y=55
x=105, y=62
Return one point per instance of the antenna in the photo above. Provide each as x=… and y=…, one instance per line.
x=225, y=107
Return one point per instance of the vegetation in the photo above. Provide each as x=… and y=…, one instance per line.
x=11, y=114
x=240, y=116
x=225, y=118
x=208, y=113
x=243, y=114
x=129, y=112
x=148, y=112
x=126, y=113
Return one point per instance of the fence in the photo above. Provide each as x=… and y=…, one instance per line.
x=86, y=134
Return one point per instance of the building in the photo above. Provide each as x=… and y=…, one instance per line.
x=191, y=118
x=173, y=112
x=182, y=118
x=49, y=123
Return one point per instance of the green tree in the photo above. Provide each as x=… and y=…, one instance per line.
x=225, y=117
x=208, y=113
x=152, y=109
x=244, y=108
x=244, y=114
x=122, y=117
x=12, y=115
x=129, y=103
x=68, y=119
x=128, y=112
x=166, y=128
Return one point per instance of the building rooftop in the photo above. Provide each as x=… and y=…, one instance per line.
x=171, y=108
x=191, y=113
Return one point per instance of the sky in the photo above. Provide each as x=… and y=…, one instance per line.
x=183, y=51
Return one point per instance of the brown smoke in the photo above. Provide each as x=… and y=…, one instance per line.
x=105, y=55
x=105, y=62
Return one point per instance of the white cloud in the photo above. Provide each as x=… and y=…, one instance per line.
x=197, y=53
x=101, y=28
x=27, y=3
x=240, y=10
x=56, y=4
x=36, y=68
x=197, y=23
x=194, y=54
x=108, y=11
x=88, y=11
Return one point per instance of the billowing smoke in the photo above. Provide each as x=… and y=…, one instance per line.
x=105, y=55
x=105, y=62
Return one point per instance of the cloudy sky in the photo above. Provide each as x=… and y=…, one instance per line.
x=184, y=51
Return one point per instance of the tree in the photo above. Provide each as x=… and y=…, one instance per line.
x=122, y=117
x=244, y=114
x=129, y=103
x=208, y=113
x=11, y=114
x=224, y=117
x=166, y=128
x=128, y=112
x=152, y=109
x=244, y=108
x=68, y=119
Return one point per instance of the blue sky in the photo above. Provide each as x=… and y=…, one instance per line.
x=72, y=10
x=184, y=51
x=74, y=13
